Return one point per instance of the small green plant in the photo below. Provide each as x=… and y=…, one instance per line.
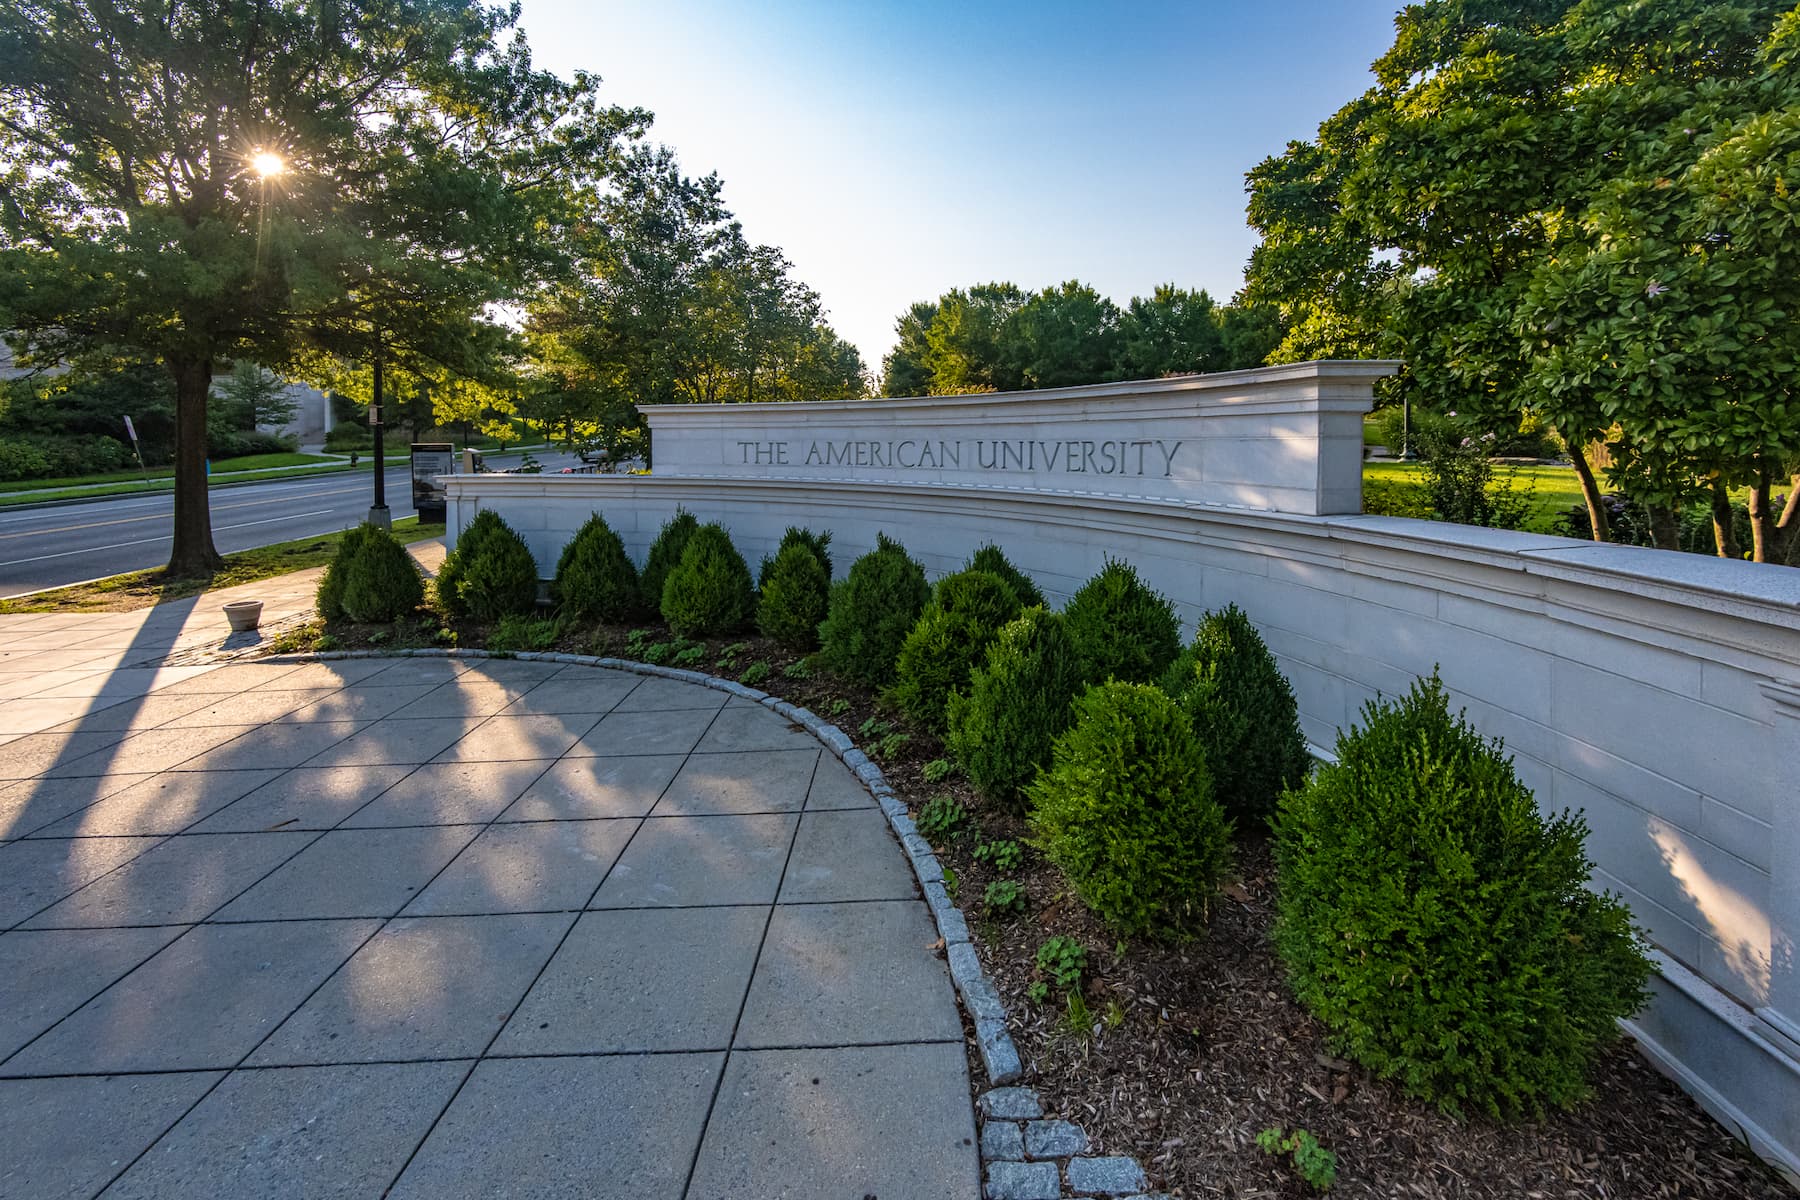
x=658, y=653
x=1061, y=960
x=941, y=818
x=380, y=637
x=871, y=612
x=875, y=727
x=636, y=640
x=1003, y=855
x=950, y=882
x=794, y=596
x=326, y=642
x=1038, y=992
x=838, y=707
x=800, y=668
x=595, y=580
x=1316, y=1164
x=446, y=636
x=755, y=673
x=1004, y=898
x=728, y=656
x=1115, y=1013
x=689, y=656
x=708, y=593
x=889, y=745
x=665, y=554
x=514, y=633
x=1076, y=1017
x=938, y=770
x=1121, y=628
x=1003, y=729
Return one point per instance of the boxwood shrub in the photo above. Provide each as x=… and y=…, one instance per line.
x=370, y=579
x=1122, y=629
x=708, y=593
x=818, y=543
x=490, y=574
x=1243, y=713
x=990, y=558
x=795, y=591
x=1126, y=810
x=1439, y=925
x=871, y=612
x=1001, y=731
x=950, y=640
x=665, y=553
x=594, y=577
x=330, y=597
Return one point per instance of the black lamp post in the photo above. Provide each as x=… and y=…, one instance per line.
x=1407, y=453
x=379, y=516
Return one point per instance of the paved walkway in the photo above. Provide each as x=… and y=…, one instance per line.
x=439, y=928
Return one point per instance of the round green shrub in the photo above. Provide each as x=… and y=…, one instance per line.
x=871, y=612
x=594, y=577
x=1243, y=713
x=1126, y=810
x=665, y=554
x=708, y=592
x=818, y=543
x=1439, y=925
x=330, y=596
x=381, y=582
x=989, y=558
x=1122, y=629
x=950, y=640
x=795, y=591
x=490, y=574
x=1002, y=729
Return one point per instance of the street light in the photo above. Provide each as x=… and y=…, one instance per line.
x=379, y=516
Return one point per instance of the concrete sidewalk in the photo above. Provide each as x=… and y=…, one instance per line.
x=456, y=928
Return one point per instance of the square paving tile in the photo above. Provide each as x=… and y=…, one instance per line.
x=277, y=744
x=568, y=1129
x=240, y=677
x=840, y=974
x=205, y=1001
x=249, y=708
x=34, y=874
x=672, y=732
x=431, y=987
x=575, y=788
x=338, y=673
x=64, y=1138
x=304, y=798
x=137, y=712
x=419, y=670
x=579, y=690
x=835, y=787
x=516, y=673
x=655, y=694
x=847, y=856
x=160, y=804
x=46, y=975
x=752, y=727
x=459, y=698
x=38, y=714
x=641, y=979
x=389, y=741
x=35, y=754
x=743, y=782
x=351, y=873
x=150, y=750
x=877, y=1121
x=700, y=860
x=509, y=739
x=450, y=794
x=177, y=881
x=297, y=1133
x=358, y=702
x=535, y=867
x=30, y=804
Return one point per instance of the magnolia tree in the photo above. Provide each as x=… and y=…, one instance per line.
x=280, y=181
x=1579, y=212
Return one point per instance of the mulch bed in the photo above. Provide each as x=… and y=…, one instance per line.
x=1194, y=1048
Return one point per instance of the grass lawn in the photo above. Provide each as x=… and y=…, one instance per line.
x=310, y=464
x=1555, y=488
x=248, y=462
x=141, y=589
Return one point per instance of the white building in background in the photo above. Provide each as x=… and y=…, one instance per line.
x=312, y=416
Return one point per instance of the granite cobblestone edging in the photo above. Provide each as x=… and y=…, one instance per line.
x=1025, y=1156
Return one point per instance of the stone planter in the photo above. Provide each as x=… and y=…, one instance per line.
x=244, y=615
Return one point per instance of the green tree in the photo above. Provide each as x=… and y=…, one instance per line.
x=963, y=340
x=255, y=396
x=904, y=371
x=1173, y=332
x=264, y=181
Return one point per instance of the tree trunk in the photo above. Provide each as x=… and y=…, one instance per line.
x=1590, y=492
x=1665, y=526
x=1761, y=527
x=192, y=552
x=1790, y=512
x=1724, y=536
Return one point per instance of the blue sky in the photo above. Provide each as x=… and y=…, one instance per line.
x=895, y=150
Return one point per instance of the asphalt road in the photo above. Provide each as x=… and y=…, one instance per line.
x=49, y=547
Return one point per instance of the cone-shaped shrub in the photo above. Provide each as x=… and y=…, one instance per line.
x=1001, y=731
x=665, y=553
x=381, y=582
x=594, y=577
x=795, y=591
x=990, y=558
x=872, y=611
x=1122, y=629
x=330, y=598
x=708, y=593
x=1243, y=713
x=818, y=543
x=1438, y=924
x=951, y=639
x=1126, y=810
x=490, y=574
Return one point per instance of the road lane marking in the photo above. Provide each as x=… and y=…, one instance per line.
x=146, y=541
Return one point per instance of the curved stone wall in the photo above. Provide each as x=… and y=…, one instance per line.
x=1657, y=692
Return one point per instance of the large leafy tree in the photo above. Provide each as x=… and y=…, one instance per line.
x=277, y=179
x=1576, y=211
